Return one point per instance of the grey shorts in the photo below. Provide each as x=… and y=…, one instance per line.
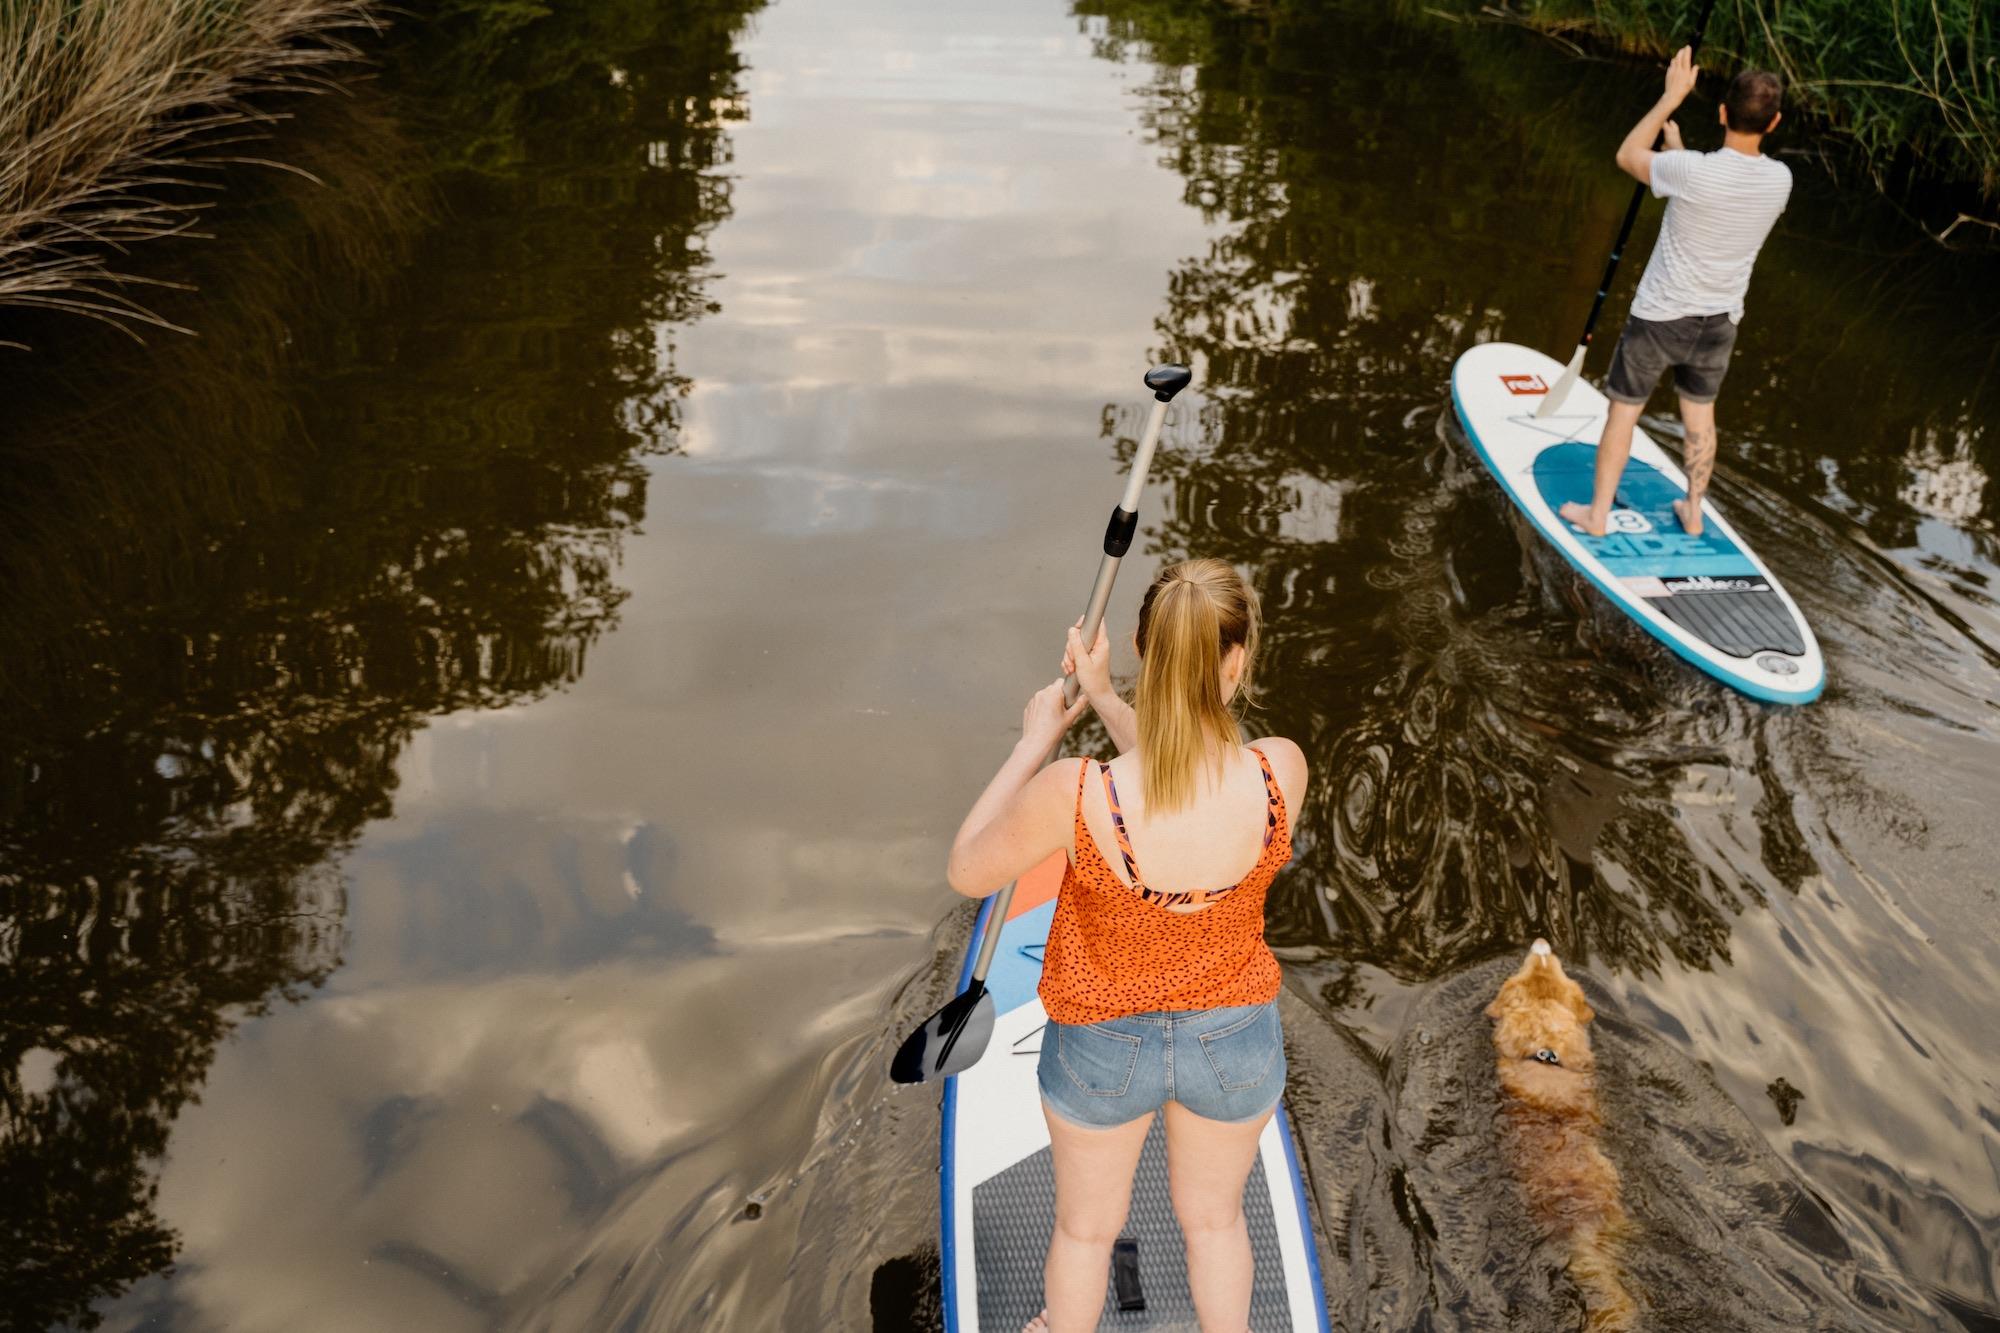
x=1222, y=1064
x=1696, y=346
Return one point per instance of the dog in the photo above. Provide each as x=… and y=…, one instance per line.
x=1550, y=1129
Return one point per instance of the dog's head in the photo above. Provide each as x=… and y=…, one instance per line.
x=1541, y=1034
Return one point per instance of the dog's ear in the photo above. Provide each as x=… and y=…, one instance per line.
x=1494, y=1010
x=1581, y=1007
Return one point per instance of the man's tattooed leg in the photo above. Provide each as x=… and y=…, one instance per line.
x=1698, y=420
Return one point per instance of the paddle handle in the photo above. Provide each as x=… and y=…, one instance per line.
x=1118, y=534
x=1554, y=398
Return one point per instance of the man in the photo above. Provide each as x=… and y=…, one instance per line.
x=1720, y=207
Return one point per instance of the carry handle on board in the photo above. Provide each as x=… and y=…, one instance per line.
x=953, y=1038
x=1553, y=399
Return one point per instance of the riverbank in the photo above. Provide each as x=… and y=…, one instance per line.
x=113, y=116
x=1914, y=90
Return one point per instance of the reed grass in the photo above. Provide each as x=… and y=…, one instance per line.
x=1915, y=84
x=113, y=114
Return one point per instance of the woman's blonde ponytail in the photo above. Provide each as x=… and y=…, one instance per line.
x=1194, y=613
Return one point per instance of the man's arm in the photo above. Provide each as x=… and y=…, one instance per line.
x=1635, y=155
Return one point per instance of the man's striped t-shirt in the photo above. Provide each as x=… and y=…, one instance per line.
x=1720, y=207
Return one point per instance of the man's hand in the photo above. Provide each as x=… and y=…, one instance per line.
x=1635, y=155
x=1681, y=76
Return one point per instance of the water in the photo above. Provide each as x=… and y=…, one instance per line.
x=485, y=717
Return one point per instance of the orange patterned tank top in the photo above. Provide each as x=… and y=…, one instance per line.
x=1115, y=949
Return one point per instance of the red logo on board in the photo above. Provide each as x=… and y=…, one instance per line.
x=1520, y=384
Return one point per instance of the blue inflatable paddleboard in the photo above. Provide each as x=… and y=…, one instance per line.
x=997, y=1201
x=1709, y=598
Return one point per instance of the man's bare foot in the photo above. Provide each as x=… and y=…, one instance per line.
x=1039, y=1324
x=1580, y=515
x=1691, y=526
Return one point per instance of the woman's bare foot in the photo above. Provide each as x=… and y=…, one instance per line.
x=1580, y=515
x=1039, y=1324
x=1692, y=527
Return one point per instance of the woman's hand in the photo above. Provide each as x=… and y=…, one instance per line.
x=1046, y=719
x=1092, y=669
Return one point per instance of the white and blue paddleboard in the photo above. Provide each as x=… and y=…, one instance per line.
x=1709, y=598
x=998, y=1187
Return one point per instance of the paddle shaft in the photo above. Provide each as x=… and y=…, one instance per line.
x=1554, y=398
x=1118, y=536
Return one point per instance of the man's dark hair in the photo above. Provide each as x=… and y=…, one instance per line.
x=1752, y=101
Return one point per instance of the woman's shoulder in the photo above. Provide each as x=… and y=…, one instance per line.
x=1288, y=762
x=1064, y=774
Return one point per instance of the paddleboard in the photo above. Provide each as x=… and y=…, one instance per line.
x=998, y=1187
x=1709, y=598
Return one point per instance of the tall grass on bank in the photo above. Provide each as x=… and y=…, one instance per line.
x=1914, y=83
x=113, y=112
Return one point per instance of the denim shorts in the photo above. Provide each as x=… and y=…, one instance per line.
x=1696, y=346
x=1222, y=1064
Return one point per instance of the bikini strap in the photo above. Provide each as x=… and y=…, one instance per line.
x=1118, y=825
x=1274, y=800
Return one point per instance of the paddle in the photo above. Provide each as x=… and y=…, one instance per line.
x=952, y=1039
x=1553, y=399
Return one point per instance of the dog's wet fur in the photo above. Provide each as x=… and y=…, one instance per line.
x=1551, y=1127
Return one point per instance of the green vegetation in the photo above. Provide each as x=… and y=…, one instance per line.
x=109, y=110
x=1915, y=84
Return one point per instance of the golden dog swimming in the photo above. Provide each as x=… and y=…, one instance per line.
x=1549, y=1112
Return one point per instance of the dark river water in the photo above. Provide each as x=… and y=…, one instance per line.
x=483, y=718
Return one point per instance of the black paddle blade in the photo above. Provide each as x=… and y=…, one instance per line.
x=950, y=1041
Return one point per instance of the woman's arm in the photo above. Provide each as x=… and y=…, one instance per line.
x=1024, y=813
x=1093, y=675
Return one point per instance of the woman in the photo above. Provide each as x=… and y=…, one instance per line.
x=1158, y=939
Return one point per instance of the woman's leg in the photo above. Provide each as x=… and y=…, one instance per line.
x=1208, y=1162
x=1093, y=1191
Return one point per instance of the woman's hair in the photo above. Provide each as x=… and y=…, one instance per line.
x=1194, y=613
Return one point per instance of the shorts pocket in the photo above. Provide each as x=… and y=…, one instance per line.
x=1711, y=351
x=1244, y=1053
x=1098, y=1060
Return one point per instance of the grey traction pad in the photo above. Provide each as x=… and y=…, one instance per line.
x=1013, y=1215
x=1741, y=624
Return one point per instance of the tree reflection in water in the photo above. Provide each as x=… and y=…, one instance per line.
x=1496, y=757
x=1475, y=752
x=1457, y=809
x=388, y=482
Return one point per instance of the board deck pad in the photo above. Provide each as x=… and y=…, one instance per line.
x=1013, y=1215
x=1708, y=597
x=1741, y=624
x=1647, y=538
x=998, y=1185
